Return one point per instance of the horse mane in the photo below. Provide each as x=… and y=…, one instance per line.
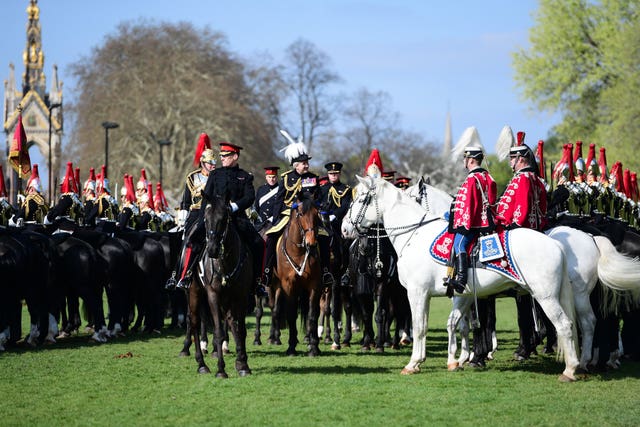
x=306, y=200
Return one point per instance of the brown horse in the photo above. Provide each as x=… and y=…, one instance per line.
x=224, y=279
x=298, y=270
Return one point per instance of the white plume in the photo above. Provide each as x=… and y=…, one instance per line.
x=293, y=149
x=504, y=143
x=470, y=137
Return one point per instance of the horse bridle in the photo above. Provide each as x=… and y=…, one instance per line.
x=212, y=234
x=307, y=250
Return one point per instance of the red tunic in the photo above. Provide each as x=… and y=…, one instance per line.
x=524, y=202
x=470, y=210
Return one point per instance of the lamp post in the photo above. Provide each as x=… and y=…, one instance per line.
x=162, y=143
x=107, y=126
x=51, y=108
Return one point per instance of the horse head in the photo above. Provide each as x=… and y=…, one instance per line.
x=363, y=212
x=216, y=221
x=305, y=213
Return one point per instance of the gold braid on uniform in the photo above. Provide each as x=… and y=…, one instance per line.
x=196, y=199
x=336, y=197
x=41, y=209
x=292, y=190
x=102, y=212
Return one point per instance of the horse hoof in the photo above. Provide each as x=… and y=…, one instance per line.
x=328, y=340
x=257, y=342
x=407, y=371
x=291, y=352
x=453, y=367
x=335, y=346
x=405, y=342
x=379, y=350
x=244, y=372
x=346, y=344
x=203, y=370
x=222, y=375
x=566, y=379
x=184, y=354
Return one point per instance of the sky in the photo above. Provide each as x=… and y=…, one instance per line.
x=431, y=57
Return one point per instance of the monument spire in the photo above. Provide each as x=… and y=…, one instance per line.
x=33, y=57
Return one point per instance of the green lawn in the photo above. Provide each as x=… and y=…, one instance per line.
x=75, y=382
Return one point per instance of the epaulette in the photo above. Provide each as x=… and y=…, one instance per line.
x=285, y=173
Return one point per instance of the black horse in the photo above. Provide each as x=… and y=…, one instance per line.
x=224, y=277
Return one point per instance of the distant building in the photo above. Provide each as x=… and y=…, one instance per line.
x=35, y=102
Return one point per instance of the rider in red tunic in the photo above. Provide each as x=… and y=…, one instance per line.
x=470, y=211
x=524, y=201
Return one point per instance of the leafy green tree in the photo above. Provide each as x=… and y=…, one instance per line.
x=583, y=62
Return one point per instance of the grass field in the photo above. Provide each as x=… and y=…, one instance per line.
x=75, y=382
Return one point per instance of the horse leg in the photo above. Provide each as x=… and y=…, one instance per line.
x=194, y=321
x=336, y=315
x=259, y=314
x=276, y=314
x=292, y=315
x=461, y=306
x=187, y=339
x=420, y=301
x=348, y=318
x=218, y=327
x=381, y=318
x=565, y=330
x=587, y=320
x=312, y=328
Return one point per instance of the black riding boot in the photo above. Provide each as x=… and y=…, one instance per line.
x=325, y=261
x=269, y=260
x=191, y=255
x=460, y=281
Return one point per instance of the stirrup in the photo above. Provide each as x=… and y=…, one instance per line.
x=185, y=282
x=345, y=280
x=327, y=279
x=171, y=283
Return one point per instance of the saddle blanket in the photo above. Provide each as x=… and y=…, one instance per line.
x=440, y=251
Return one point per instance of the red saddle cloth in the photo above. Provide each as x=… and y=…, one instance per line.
x=440, y=251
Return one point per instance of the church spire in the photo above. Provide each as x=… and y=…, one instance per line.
x=448, y=139
x=33, y=57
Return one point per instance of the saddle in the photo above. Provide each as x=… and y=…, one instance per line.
x=440, y=251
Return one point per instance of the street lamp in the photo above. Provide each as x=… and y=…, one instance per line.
x=107, y=126
x=51, y=108
x=162, y=143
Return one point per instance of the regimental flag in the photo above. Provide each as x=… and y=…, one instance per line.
x=19, y=153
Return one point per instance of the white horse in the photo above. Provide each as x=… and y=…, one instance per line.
x=411, y=230
x=588, y=258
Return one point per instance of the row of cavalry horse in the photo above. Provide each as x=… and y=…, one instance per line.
x=386, y=235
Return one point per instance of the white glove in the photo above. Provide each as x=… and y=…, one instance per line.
x=332, y=217
x=12, y=221
x=182, y=217
x=234, y=207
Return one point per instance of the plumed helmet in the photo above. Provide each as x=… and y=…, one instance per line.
x=204, y=143
x=539, y=157
x=296, y=151
x=34, y=179
x=67, y=184
x=208, y=156
x=90, y=183
x=602, y=165
x=160, y=201
x=142, y=183
x=374, y=167
x=577, y=158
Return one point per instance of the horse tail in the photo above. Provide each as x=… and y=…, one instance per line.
x=618, y=273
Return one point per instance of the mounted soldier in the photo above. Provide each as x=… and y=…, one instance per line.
x=266, y=198
x=189, y=213
x=470, y=212
x=524, y=201
x=335, y=200
x=129, y=208
x=105, y=206
x=33, y=207
x=403, y=182
x=69, y=204
x=165, y=219
x=296, y=180
x=147, y=215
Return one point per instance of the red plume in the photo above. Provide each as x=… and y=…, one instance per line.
x=204, y=143
x=3, y=188
x=540, y=159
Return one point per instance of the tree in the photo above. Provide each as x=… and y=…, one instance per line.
x=165, y=81
x=308, y=78
x=583, y=62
